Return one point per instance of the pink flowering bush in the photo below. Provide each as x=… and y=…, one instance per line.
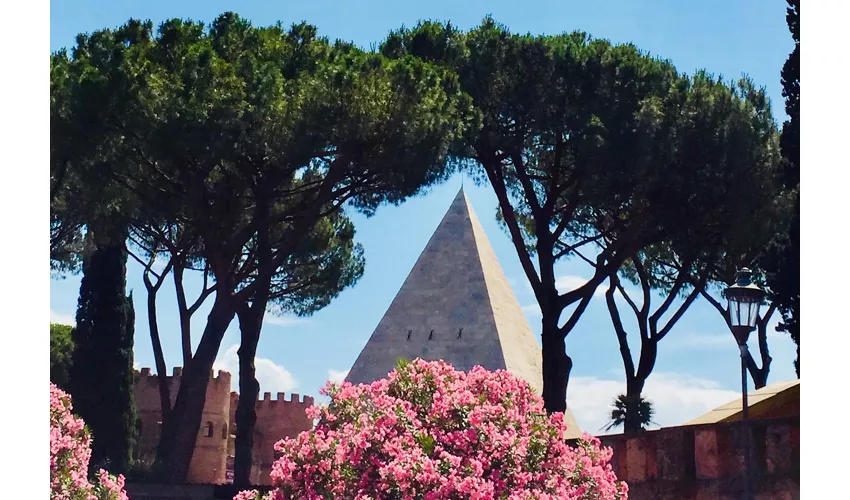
x=431, y=432
x=70, y=450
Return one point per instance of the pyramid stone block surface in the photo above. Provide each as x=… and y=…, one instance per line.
x=455, y=305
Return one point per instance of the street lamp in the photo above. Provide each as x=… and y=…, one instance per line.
x=744, y=300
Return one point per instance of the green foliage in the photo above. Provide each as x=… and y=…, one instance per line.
x=90, y=213
x=61, y=349
x=327, y=261
x=599, y=143
x=224, y=119
x=242, y=145
x=88, y=109
x=623, y=407
x=600, y=152
x=101, y=373
x=782, y=259
x=791, y=93
x=65, y=217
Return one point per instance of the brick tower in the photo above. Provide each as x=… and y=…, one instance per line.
x=212, y=460
x=209, y=461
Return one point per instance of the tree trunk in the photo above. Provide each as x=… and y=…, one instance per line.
x=634, y=388
x=635, y=385
x=760, y=375
x=556, y=365
x=177, y=443
x=250, y=322
x=159, y=357
x=185, y=316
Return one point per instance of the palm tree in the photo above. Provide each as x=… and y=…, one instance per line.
x=637, y=410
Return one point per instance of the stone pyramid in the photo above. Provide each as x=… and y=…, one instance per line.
x=456, y=305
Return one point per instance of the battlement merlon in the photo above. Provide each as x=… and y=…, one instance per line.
x=223, y=378
x=177, y=372
x=294, y=398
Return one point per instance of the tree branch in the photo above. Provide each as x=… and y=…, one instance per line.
x=622, y=338
x=644, y=283
x=676, y=316
x=500, y=188
x=204, y=294
x=628, y=298
x=565, y=249
x=711, y=300
x=681, y=279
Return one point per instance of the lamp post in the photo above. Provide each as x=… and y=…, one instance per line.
x=744, y=300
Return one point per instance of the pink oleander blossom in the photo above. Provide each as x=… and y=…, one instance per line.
x=70, y=451
x=431, y=432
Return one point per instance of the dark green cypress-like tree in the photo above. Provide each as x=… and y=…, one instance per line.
x=101, y=374
x=782, y=259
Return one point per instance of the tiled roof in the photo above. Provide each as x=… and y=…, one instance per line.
x=781, y=399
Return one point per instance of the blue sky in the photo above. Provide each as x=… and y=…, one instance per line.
x=698, y=362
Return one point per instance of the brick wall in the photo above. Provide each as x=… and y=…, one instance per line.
x=707, y=461
x=276, y=419
x=208, y=465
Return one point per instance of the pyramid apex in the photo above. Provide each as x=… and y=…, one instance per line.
x=456, y=284
x=456, y=305
x=461, y=195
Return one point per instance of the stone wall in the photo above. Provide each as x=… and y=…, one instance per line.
x=212, y=461
x=209, y=461
x=707, y=461
x=276, y=419
x=146, y=491
x=675, y=463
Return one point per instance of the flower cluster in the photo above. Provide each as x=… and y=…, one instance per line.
x=431, y=432
x=70, y=451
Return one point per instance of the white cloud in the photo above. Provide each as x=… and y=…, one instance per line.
x=271, y=319
x=532, y=310
x=569, y=282
x=683, y=341
x=337, y=376
x=62, y=319
x=271, y=376
x=676, y=398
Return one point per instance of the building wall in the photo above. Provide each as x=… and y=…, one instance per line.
x=707, y=461
x=276, y=419
x=208, y=465
x=209, y=462
x=212, y=461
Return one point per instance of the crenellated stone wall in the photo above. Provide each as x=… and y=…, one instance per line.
x=707, y=461
x=209, y=461
x=212, y=461
x=276, y=419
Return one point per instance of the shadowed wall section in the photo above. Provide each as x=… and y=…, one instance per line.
x=212, y=461
x=707, y=461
